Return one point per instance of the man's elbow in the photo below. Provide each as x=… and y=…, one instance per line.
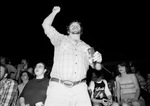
x=43, y=24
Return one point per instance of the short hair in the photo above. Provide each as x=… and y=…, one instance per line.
x=99, y=74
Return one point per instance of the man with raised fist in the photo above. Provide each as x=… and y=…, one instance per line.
x=67, y=86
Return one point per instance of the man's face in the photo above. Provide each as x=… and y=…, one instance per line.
x=39, y=69
x=2, y=72
x=23, y=61
x=75, y=28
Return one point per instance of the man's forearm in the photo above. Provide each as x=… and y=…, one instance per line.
x=49, y=20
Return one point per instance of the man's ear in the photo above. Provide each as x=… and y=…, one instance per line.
x=5, y=75
x=45, y=70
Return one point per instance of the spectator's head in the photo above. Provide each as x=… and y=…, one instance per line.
x=12, y=75
x=24, y=61
x=25, y=76
x=40, y=70
x=98, y=75
x=75, y=30
x=133, y=70
x=122, y=68
x=3, y=71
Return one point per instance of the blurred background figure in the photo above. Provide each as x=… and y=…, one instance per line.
x=142, y=82
x=12, y=71
x=25, y=77
x=23, y=66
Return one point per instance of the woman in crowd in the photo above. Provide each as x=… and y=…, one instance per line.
x=35, y=90
x=128, y=90
x=25, y=77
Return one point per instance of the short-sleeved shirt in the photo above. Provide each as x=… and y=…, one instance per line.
x=35, y=91
x=99, y=89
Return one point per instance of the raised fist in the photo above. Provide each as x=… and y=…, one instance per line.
x=56, y=9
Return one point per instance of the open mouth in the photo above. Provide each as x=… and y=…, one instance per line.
x=36, y=70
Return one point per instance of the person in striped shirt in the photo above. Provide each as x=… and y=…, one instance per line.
x=127, y=87
x=67, y=86
x=8, y=88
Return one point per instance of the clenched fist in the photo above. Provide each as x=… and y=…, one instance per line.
x=56, y=9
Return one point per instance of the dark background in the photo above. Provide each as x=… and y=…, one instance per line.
x=119, y=30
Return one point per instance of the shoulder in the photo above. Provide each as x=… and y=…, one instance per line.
x=92, y=83
x=30, y=82
x=117, y=78
x=84, y=44
x=20, y=85
x=132, y=75
x=12, y=84
x=104, y=80
x=10, y=81
x=46, y=80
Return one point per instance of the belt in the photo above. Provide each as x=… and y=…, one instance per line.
x=67, y=83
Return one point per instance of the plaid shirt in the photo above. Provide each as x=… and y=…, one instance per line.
x=71, y=60
x=8, y=92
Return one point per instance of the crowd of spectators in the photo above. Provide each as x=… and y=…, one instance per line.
x=26, y=78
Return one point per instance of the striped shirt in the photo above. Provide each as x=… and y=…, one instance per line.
x=71, y=60
x=127, y=84
x=8, y=92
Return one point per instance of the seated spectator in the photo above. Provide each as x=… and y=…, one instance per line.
x=25, y=77
x=35, y=90
x=139, y=77
x=23, y=66
x=128, y=91
x=8, y=88
x=99, y=91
